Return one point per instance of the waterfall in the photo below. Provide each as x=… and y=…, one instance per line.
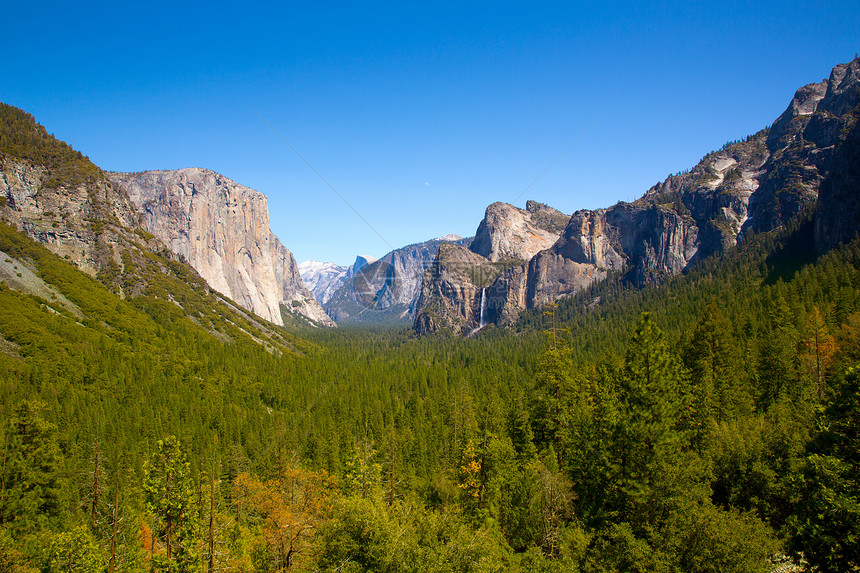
x=482, y=318
x=482, y=321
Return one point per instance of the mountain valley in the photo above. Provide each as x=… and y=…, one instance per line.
x=669, y=384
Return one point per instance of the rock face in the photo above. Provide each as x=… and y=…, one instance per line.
x=803, y=144
x=451, y=292
x=222, y=229
x=756, y=185
x=508, y=233
x=361, y=261
x=391, y=285
x=495, y=271
x=837, y=219
x=87, y=224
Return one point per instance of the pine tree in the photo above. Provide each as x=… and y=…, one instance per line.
x=552, y=400
x=29, y=475
x=825, y=524
x=169, y=492
x=591, y=461
x=521, y=432
x=712, y=357
x=778, y=375
x=647, y=438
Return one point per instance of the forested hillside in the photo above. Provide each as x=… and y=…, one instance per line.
x=707, y=424
x=612, y=442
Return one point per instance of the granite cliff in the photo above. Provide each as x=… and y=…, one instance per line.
x=509, y=233
x=465, y=289
x=453, y=294
x=837, y=218
x=222, y=229
x=56, y=196
x=806, y=160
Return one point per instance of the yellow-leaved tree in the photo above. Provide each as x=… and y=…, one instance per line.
x=284, y=513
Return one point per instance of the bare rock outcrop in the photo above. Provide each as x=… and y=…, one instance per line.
x=222, y=229
x=757, y=184
x=453, y=289
x=87, y=223
x=802, y=146
x=809, y=155
x=837, y=219
x=509, y=233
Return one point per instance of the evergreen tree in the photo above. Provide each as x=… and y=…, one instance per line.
x=552, y=400
x=712, y=358
x=778, y=373
x=825, y=523
x=169, y=492
x=848, y=341
x=647, y=437
x=522, y=436
x=30, y=471
x=591, y=459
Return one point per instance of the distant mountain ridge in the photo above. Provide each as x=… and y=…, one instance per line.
x=754, y=185
x=519, y=258
x=324, y=279
x=386, y=290
x=321, y=278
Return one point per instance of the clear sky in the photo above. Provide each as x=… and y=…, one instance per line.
x=418, y=114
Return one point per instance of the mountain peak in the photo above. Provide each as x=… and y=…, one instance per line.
x=807, y=159
x=508, y=232
x=449, y=237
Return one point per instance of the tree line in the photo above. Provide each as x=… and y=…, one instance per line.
x=709, y=424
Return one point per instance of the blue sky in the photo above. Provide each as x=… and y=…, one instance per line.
x=419, y=115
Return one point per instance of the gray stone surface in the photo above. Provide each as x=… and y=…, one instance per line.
x=222, y=229
x=508, y=233
x=753, y=185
